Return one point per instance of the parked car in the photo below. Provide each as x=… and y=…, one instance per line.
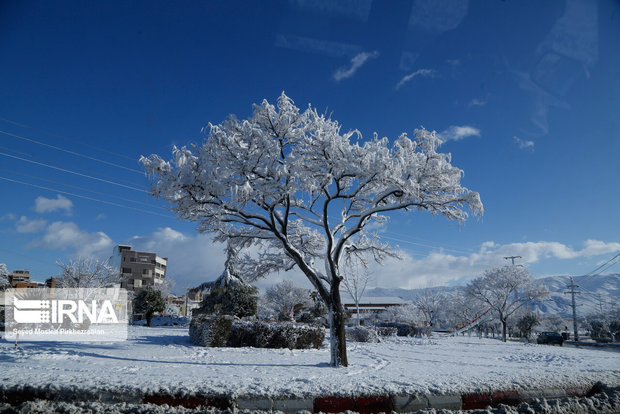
x=550, y=338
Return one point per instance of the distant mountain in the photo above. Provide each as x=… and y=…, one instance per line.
x=598, y=292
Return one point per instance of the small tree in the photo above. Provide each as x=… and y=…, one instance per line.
x=526, y=323
x=507, y=289
x=287, y=299
x=295, y=187
x=355, y=278
x=408, y=313
x=228, y=294
x=431, y=302
x=147, y=302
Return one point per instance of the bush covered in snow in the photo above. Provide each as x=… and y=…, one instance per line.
x=387, y=331
x=403, y=329
x=226, y=330
x=361, y=334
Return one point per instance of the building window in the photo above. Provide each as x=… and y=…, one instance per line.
x=126, y=270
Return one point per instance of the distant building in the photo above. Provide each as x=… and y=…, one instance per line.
x=51, y=282
x=138, y=269
x=372, y=304
x=20, y=279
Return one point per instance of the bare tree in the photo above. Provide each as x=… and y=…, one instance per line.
x=431, y=302
x=507, y=289
x=85, y=272
x=291, y=185
x=355, y=279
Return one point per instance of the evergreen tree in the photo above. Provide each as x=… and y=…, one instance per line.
x=147, y=302
x=228, y=294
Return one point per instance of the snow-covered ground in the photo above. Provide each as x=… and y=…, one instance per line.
x=161, y=358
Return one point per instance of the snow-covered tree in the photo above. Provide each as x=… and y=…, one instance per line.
x=408, y=313
x=228, y=294
x=287, y=299
x=553, y=323
x=431, y=302
x=4, y=277
x=293, y=186
x=85, y=272
x=507, y=289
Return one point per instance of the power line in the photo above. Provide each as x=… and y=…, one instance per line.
x=71, y=152
x=439, y=244
x=65, y=138
x=82, y=196
x=81, y=188
x=423, y=245
x=73, y=172
x=15, y=151
x=601, y=266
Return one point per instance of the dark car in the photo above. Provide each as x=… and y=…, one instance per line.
x=550, y=338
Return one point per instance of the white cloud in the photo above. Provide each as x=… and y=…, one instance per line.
x=425, y=73
x=457, y=133
x=8, y=216
x=524, y=144
x=476, y=102
x=317, y=46
x=68, y=236
x=440, y=268
x=50, y=205
x=24, y=225
x=356, y=62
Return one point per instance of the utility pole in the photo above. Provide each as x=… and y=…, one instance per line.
x=573, y=292
x=512, y=258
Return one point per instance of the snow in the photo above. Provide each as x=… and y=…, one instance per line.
x=161, y=358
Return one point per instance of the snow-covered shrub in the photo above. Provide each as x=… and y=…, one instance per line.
x=361, y=334
x=387, y=331
x=263, y=334
x=420, y=331
x=206, y=330
x=402, y=329
x=225, y=330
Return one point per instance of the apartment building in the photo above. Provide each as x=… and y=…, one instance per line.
x=138, y=269
x=20, y=279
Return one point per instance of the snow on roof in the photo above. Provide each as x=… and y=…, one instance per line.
x=375, y=300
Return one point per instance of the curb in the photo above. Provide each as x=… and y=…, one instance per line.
x=326, y=404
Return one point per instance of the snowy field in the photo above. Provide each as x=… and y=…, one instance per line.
x=162, y=358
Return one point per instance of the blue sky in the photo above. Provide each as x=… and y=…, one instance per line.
x=525, y=94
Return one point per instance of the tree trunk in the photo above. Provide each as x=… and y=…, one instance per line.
x=504, y=330
x=338, y=341
x=149, y=318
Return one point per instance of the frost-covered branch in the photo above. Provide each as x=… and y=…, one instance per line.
x=299, y=191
